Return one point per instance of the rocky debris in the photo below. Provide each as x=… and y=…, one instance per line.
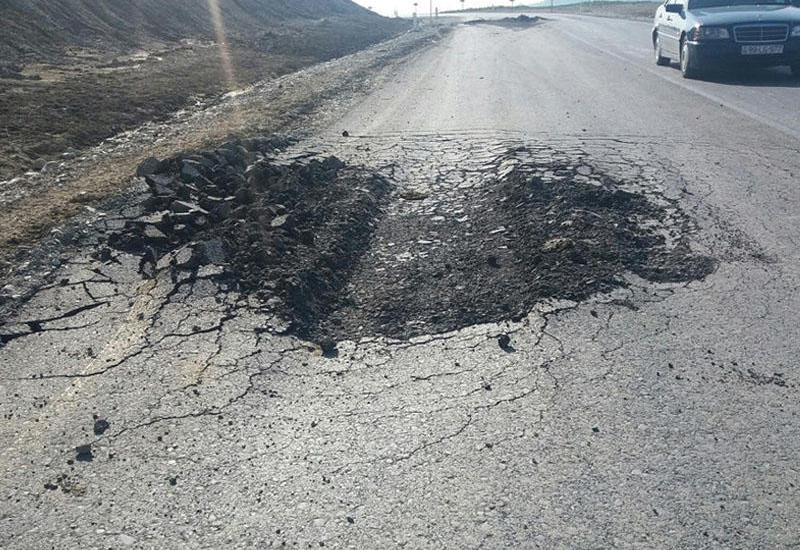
x=9, y=292
x=521, y=21
x=292, y=234
x=328, y=348
x=504, y=341
x=68, y=485
x=100, y=426
x=554, y=245
x=83, y=453
x=290, y=230
x=70, y=153
x=148, y=166
x=50, y=166
x=413, y=195
x=526, y=231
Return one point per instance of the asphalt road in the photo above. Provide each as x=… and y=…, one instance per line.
x=659, y=415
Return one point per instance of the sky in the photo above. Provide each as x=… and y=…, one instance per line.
x=405, y=7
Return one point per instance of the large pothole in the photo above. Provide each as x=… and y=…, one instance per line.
x=341, y=254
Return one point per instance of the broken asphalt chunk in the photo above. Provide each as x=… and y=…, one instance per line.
x=83, y=453
x=190, y=170
x=100, y=426
x=160, y=184
x=148, y=166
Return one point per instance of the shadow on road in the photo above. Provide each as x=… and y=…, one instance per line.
x=780, y=77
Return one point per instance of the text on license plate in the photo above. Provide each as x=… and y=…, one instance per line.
x=762, y=49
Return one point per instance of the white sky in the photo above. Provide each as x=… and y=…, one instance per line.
x=405, y=7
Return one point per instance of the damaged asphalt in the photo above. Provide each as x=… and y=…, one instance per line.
x=329, y=248
x=546, y=389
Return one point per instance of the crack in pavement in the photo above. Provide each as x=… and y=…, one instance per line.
x=35, y=325
x=200, y=385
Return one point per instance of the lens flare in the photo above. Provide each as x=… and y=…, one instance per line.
x=224, y=53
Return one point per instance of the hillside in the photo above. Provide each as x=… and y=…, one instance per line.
x=41, y=29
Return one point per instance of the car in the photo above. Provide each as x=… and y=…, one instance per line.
x=715, y=34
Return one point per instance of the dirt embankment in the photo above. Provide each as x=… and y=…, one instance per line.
x=74, y=74
x=39, y=30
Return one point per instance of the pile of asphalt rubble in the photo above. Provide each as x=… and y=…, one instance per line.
x=303, y=240
x=543, y=230
x=285, y=233
x=519, y=21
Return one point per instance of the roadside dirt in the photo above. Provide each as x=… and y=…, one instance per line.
x=62, y=109
x=32, y=206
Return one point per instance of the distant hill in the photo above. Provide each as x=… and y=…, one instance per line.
x=39, y=29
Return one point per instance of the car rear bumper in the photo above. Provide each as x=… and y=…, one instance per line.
x=728, y=53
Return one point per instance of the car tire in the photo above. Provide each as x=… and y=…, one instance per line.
x=796, y=70
x=660, y=59
x=688, y=62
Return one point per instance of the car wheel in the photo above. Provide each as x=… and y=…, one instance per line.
x=660, y=59
x=688, y=62
x=796, y=70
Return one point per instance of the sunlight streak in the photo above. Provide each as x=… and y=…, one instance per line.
x=224, y=53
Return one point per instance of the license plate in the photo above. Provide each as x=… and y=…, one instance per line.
x=762, y=49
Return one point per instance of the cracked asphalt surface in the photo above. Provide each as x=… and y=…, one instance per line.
x=161, y=413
